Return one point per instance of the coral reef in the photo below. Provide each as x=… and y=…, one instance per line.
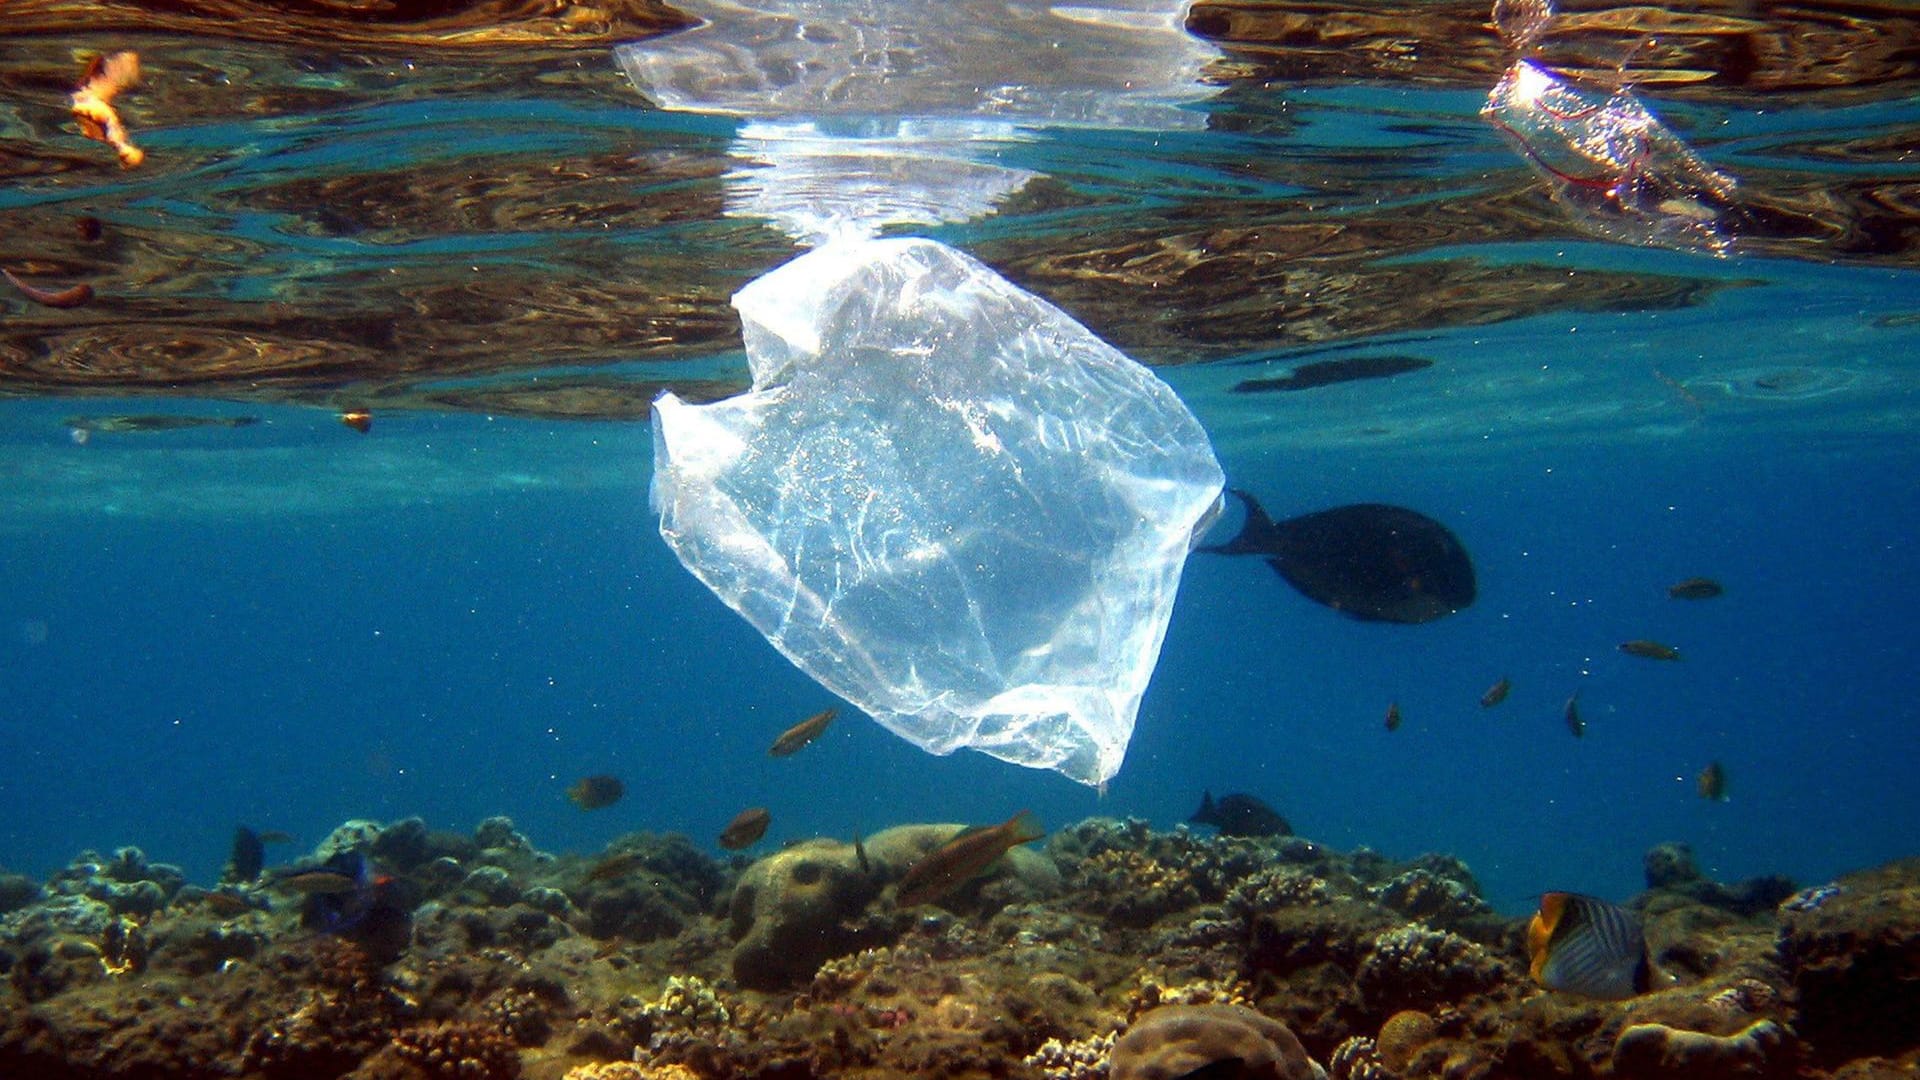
x=1115, y=949
x=1854, y=963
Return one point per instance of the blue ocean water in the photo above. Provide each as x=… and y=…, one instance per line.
x=456, y=616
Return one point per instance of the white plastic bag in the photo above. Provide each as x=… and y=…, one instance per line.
x=944, y=499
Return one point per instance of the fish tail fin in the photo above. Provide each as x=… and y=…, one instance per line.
x=1026, y=827
x=1206, y=813
x=1252, y=531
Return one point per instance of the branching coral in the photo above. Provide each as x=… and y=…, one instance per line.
x=1357, y=1059
x=457, y=1050
x=686, y=1003
x=1081, y=1059
x=1414, y=966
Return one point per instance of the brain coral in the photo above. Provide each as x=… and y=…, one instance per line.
x=1174, y=1040
x=1402, y=1034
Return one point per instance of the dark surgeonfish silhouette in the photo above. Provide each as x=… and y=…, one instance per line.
x=1240, y=815
x=1328, y=372
x=1372, y=561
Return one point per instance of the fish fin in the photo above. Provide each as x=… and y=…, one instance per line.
x=1026, y=828
x=1206, y=813
x=1540, y=932
x=1257, y=528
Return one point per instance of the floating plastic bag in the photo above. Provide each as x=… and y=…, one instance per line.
x=944, y=499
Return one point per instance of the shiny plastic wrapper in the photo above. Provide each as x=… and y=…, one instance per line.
x=943, y=499
x=1618, y=170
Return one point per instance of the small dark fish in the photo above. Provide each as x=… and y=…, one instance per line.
x=1369, y=561
x=596, y=792
x=316, y=882
x=248, y=857
x=617, y=865
x=1496, y=693
x=121, y=425
x=226, y=904
x=1240, y=815
x=70, y=297
x=1393, y=716
x=1572, y=716
x=375, y=909
x=1694, y=588
x=746, y=828
x=802, y=733
x=962, y=858
x=275, y=836
x=1712, y=782
x=1583, y=945
x=358, y=419
x=860, y=855
x=1329, y=372
x=1650, y=650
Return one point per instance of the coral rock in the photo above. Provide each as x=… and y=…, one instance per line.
x=1854, y=961
x=1671, y=864
x=1656, y=1051
x=16, y=892
x=789, y=908
x=1174, y=1040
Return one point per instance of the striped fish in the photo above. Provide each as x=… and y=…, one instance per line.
x=1583, y=945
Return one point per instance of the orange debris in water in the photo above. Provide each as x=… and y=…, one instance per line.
x=93, y=104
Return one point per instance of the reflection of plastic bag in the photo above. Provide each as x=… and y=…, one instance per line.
x=944, y=499
x=1622, y=173
x=1103, y=63
x=819, y=181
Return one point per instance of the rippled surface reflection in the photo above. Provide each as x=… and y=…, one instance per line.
x=468, y=207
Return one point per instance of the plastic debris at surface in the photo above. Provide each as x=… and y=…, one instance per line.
x=1618, y=171
x=1621, y=173
x=944, y=499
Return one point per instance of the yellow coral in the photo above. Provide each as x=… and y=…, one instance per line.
x=629, y=1070
x=688, y=1003
x=1151, y=993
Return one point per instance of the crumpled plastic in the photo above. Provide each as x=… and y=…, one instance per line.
x=944, y=499
x=1618, y=170
x=1610, y=163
